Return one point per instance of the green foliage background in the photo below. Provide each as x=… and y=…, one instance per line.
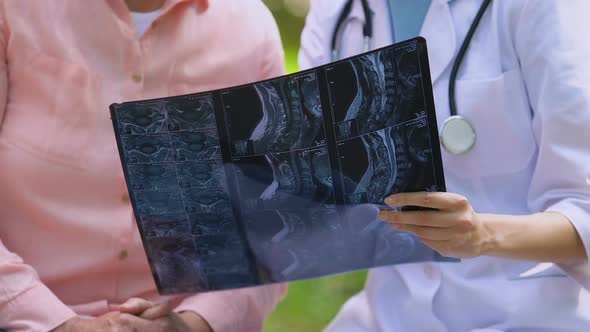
x=310, y=305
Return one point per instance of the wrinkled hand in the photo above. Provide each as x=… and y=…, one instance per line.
x=144, y=308
x=121, y=322
x=454, y=229
x=139, y=315
x=161, y=313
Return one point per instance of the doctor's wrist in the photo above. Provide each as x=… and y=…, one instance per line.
x=497, y=235
x=540, y=237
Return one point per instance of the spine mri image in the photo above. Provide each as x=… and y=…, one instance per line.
x=279, y=150
x=381, y=125
x=281, y=180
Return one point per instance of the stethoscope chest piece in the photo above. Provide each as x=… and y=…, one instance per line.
x=457, y=135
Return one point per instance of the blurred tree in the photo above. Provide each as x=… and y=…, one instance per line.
x=290, y=16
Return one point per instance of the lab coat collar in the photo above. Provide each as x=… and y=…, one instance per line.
x=439, y=31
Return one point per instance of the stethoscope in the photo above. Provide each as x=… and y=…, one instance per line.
x=457, y=134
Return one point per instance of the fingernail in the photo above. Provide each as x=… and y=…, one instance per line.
x=391, y=200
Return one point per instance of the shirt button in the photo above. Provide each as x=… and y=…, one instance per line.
x=125, y=198
x=123, y=255
x=136, y=77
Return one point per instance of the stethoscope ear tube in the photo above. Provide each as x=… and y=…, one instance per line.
x=457, y=135
x=367, y=27
x=461, y=56
x=456, y=128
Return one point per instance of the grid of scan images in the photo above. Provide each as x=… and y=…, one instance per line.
x=175, y=173
x=381, y=125
x=280, y=180
x=280, y=156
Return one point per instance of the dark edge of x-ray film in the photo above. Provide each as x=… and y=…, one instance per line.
x=282, y=180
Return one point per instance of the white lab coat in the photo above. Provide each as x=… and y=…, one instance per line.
x=525, y=86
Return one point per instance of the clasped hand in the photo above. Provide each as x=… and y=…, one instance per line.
x=453, y=228
x=138, y=315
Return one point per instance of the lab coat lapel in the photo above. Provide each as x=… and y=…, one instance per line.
x=439, y=31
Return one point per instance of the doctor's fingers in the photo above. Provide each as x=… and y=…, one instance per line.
x=428, y=218
x=434, y=200
x=430, y=233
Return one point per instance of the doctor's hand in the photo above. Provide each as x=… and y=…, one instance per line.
x=454, y=229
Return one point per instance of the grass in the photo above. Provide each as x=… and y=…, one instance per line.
x=310, y=305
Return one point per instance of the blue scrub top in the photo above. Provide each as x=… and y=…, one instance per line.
x=407, y=17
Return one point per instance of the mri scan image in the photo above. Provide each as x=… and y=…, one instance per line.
x=196, y=145
x=191, y=113
x=283, y=179
x=297, y=178
x=211, y=200
x=392, y=160
x=375, y=91
x=155, y=202
x=224, y=260
x=143, y=119
x=166, y=225
x=152, y=176
x=296, y=244
x=147, y=149
x=205, y=224
x=201, y=174
x=176, y=264
x=275, y=116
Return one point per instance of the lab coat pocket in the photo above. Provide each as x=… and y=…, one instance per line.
x=499, y=111
x=53, y=108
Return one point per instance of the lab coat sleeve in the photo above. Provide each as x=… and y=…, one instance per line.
x=316, y=35
x=26, y=304
x=554, y=51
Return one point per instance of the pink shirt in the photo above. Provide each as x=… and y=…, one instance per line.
x=70, y=244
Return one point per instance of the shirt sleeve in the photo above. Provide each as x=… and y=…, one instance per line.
x=554, y=52
x=26, y=304
x=236, y=310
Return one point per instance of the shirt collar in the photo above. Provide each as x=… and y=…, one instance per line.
x=120, y=7
x=202, y=4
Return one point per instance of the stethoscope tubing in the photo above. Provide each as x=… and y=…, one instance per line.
x=368, y=35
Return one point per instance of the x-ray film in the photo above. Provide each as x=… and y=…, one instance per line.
x=282, y=180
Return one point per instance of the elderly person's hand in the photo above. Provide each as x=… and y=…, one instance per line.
x=139, y=315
